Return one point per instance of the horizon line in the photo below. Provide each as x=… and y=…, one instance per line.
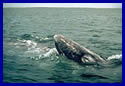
x=63, y=5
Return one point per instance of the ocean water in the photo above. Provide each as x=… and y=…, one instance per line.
x=29, y=51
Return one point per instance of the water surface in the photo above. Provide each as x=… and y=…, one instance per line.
x=28, y=36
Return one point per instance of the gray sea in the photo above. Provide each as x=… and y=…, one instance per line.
x=28, y=44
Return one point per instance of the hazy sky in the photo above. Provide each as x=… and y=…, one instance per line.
x=90, y=5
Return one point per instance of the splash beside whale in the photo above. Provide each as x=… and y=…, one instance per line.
x=75, y=51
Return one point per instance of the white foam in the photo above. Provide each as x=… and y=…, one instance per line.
x=34, y=51
x=118, y=56
x=28, y=43
x=39, y=54
x=50, y=52
x=46, y=38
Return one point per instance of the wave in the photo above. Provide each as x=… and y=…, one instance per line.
x=117, y=56
x=37, y=55
x=28, y=43
x=33, y=49
x=36, y=52
x=52, y=51
x=114, y=60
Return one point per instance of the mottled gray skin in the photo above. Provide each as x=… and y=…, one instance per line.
x=75, y=51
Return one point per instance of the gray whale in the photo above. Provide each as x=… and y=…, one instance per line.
x=75, y=51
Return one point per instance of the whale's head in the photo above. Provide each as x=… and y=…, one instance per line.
x=63, y=43
x=60, y=43
x=58, y=38
x=67, y=47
